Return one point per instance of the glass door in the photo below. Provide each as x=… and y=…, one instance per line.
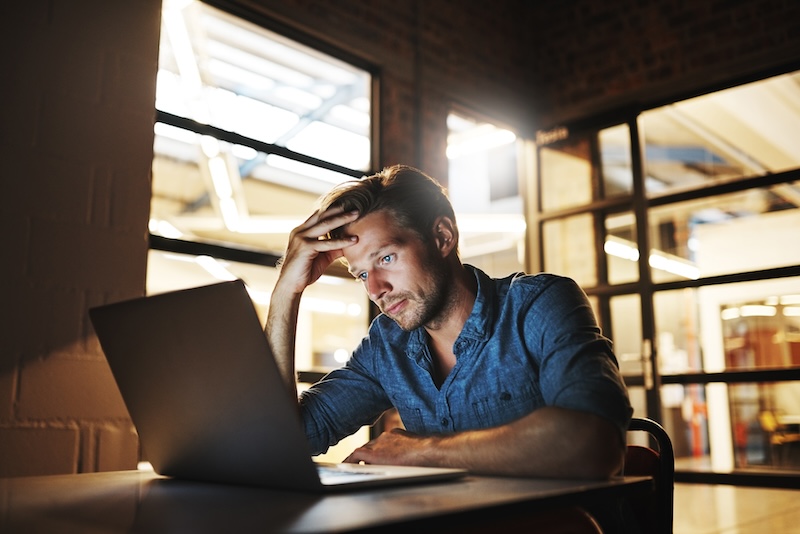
x=705, y=323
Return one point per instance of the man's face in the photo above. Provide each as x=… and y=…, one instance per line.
x=403, y=276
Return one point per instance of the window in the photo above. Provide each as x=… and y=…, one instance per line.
x=705, y=323
x=483, y=186
x=724, y=136
x=252, y=129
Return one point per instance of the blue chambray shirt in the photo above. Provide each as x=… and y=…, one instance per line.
x=531, y=341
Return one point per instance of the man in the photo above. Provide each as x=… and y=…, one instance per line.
x=500, y=376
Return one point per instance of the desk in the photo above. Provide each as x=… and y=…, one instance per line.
x=138, y=501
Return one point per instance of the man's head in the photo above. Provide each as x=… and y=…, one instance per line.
x=412, y=198
x=406, y=243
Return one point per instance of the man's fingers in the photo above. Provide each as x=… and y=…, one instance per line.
x=320, y=225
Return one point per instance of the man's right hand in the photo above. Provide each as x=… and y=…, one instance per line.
x=311, y=250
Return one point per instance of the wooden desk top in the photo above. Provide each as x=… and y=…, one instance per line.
x=140, y=501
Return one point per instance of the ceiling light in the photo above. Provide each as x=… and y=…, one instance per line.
x=215, y=268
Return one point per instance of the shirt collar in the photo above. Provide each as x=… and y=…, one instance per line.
x=480, y=319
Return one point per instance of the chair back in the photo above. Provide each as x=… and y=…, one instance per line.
x=655, y=511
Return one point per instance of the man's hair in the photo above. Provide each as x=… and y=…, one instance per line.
x=413, y=198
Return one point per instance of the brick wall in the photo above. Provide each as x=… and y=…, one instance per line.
x=588, y=56
x=76, y=148
x=432, y=55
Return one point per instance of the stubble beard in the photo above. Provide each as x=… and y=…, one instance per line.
x=430, y=306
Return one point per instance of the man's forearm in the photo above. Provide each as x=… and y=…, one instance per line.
x=550, y=442
x=281, y=332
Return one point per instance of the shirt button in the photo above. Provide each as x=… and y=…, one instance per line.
x=444, y=421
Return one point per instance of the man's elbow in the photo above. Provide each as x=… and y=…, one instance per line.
x=601, y=453
x=604, y=462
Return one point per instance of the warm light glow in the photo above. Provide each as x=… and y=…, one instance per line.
x=480, y=139
x=341, y=355
x=144, y=466
x=491, y=223
x=754, y=310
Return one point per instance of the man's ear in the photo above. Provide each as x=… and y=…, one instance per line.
x=445, y=235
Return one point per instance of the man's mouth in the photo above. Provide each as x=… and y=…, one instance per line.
x=394, y=307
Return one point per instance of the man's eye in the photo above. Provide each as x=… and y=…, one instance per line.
x=387, y=259
x=361, y=277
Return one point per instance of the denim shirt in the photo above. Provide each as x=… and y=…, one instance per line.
x=531, y=341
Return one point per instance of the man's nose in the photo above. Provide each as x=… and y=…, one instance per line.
x=377, y=286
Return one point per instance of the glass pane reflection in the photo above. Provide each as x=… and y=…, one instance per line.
x=750, y=130
x=221, y=70
x=622, y=253
x=566, y=174
x=626, y=325
x=483, y=186
x=742, y=326
x=569, y=248
x=725, y=234
x=765, y=424
x=615, y=155
x=208, y=190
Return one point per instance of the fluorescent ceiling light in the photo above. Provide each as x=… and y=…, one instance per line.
x=730, y=313
x=257, y=65
x=329, y=143
x=755, y=310
x=240, y=76
x=182, y=48
x=674, y=265
x=621, y=248
x=617, y=247
x=220, y=178
x=215, y=268
x=164, y=229
x=303, y=169
x=174, y=133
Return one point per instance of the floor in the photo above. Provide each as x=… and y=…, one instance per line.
x=725, y=509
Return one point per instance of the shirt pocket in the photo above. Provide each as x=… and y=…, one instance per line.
x=412, y=418
x=505, y=406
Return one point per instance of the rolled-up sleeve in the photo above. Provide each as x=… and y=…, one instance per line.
x=578, y=368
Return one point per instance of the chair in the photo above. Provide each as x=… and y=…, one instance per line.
x=654, y=512
x=781, y=437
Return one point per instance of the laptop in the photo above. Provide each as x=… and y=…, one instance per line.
x=204, y=393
